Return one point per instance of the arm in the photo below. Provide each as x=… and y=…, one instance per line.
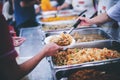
x=64, y=5
x=100, y=19
x=9, y=68
x=16, y=72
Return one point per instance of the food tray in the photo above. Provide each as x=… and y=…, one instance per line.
x=44, y=13
x=101, y=44
x=84, y=31
x=38, y=18
x=103, y=72
x=68, y=12
x=55, y=18
x=110, y=44
x=58, y=25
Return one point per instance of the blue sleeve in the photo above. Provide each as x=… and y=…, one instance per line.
x=114, y=12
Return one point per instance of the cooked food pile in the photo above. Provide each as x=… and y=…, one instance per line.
x=62, y=40
x=92, y=74
x=58, y=18
x=87, y=37
x=77, y=56
x=56, y=27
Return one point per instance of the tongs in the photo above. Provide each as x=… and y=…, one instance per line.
x=74, y=26
x=82, y=12
x=78, y=22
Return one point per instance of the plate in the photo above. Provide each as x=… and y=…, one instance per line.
x=47, y=40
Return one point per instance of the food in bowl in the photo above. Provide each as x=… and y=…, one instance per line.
x=61, y=40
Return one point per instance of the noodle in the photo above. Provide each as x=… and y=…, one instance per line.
x=77, y=56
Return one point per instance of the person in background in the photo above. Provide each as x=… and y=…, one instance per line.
x=8, y=13
x=80, y=5
x=25, y=15
x=9, y=69
x=113, y=14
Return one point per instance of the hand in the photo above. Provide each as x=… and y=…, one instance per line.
x=51, y=49
x=17, y=41
x=85, y=21
x=59, y=8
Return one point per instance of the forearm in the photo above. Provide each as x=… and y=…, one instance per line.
x=100, y=19
x=29, y=65
x=16, y=72
x=64, y=5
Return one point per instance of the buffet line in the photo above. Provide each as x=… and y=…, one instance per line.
x=89, y=52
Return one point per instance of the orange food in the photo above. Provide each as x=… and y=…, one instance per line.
x=50, y=19
x=46, y=6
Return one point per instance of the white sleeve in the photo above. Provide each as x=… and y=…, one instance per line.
x=68, y=1
x=5, y=11
x=114, y=12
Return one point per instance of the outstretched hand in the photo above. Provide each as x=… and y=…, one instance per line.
x=17, y=41
x=51, y=48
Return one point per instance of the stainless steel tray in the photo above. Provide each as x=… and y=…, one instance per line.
x=110, y=72
x=68, y=12
x=83, y=31
x=52, y=22
x=58, y=25
x=110, y=44
x=38, y=18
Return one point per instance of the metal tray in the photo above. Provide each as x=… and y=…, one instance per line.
x=68, y=12
x=110, y=72
x=110, y=44
x=58, y=25
x=39, y=17
x=49, y=13
x=84, y=31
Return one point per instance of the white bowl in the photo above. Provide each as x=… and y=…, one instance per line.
x=47, y=40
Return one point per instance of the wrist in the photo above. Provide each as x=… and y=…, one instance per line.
x=42, y=53
x=91, y=21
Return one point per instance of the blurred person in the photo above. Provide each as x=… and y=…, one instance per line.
x=80, y=5
x=25, y=15
x=8, y=13
x=9, y=69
